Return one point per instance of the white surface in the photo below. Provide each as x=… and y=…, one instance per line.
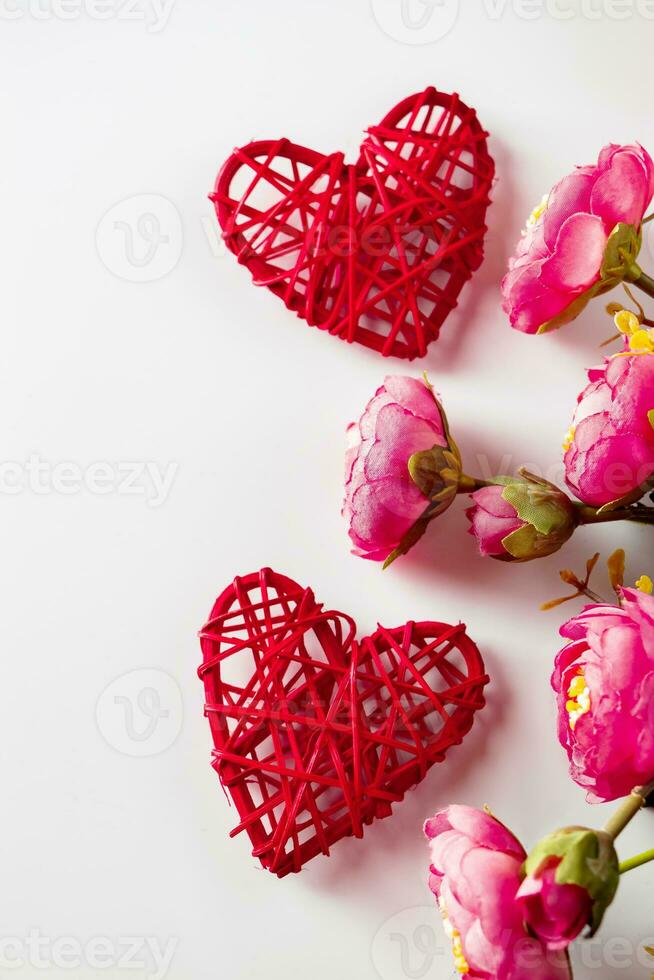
x=178, y=360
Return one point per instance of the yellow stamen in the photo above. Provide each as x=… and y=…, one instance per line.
x=626, y=322
x=569, y=437
x=640, y=339
x=538, y=211
x=642, y=342
x=579, y=695
x=454, y=935
x=577, y=685
x=645, y=584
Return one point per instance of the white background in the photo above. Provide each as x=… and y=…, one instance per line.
x=199, y=370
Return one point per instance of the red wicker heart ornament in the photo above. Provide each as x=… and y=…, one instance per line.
x=317, y=733
x=375, y=252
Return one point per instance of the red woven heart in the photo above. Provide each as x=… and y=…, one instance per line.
x=377, y=251
x=317, y=733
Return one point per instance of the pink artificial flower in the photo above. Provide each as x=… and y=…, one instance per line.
x=610, y=446
x=492, y=518
x=382, y=501
x=559, y=257
x=555, y=913
x=475, y=875
x=604, y=682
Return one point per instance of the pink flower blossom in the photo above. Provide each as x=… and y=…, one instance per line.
x=475, y=874
x=382, y=501
x=604, y=682
x=555, y=913
x=558, y=260
x=492, y=518
x=610, y=448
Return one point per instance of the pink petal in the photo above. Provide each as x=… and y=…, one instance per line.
x=622, y=192
x=577, y=258
x=570, y=196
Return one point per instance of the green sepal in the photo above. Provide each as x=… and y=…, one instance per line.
x=434, y=471
x=449, y=438
x=622, y=248
x=587, y=859
x=537, y=507
x=523, y=544
x=424, y=470
x=572, y=311
x=630, y=498
x=650, y=417
x=413, y=535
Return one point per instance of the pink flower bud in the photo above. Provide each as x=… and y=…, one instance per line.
x=555, y=913
x=522, y=519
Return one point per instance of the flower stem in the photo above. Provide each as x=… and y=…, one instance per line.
x=468, y=484
x=589, y=515
x=641, y=279
x=627, y=810
x=636, y=862
x=593, y=596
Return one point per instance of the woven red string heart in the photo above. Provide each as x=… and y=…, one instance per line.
x=316, y=733
x=375, y=252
